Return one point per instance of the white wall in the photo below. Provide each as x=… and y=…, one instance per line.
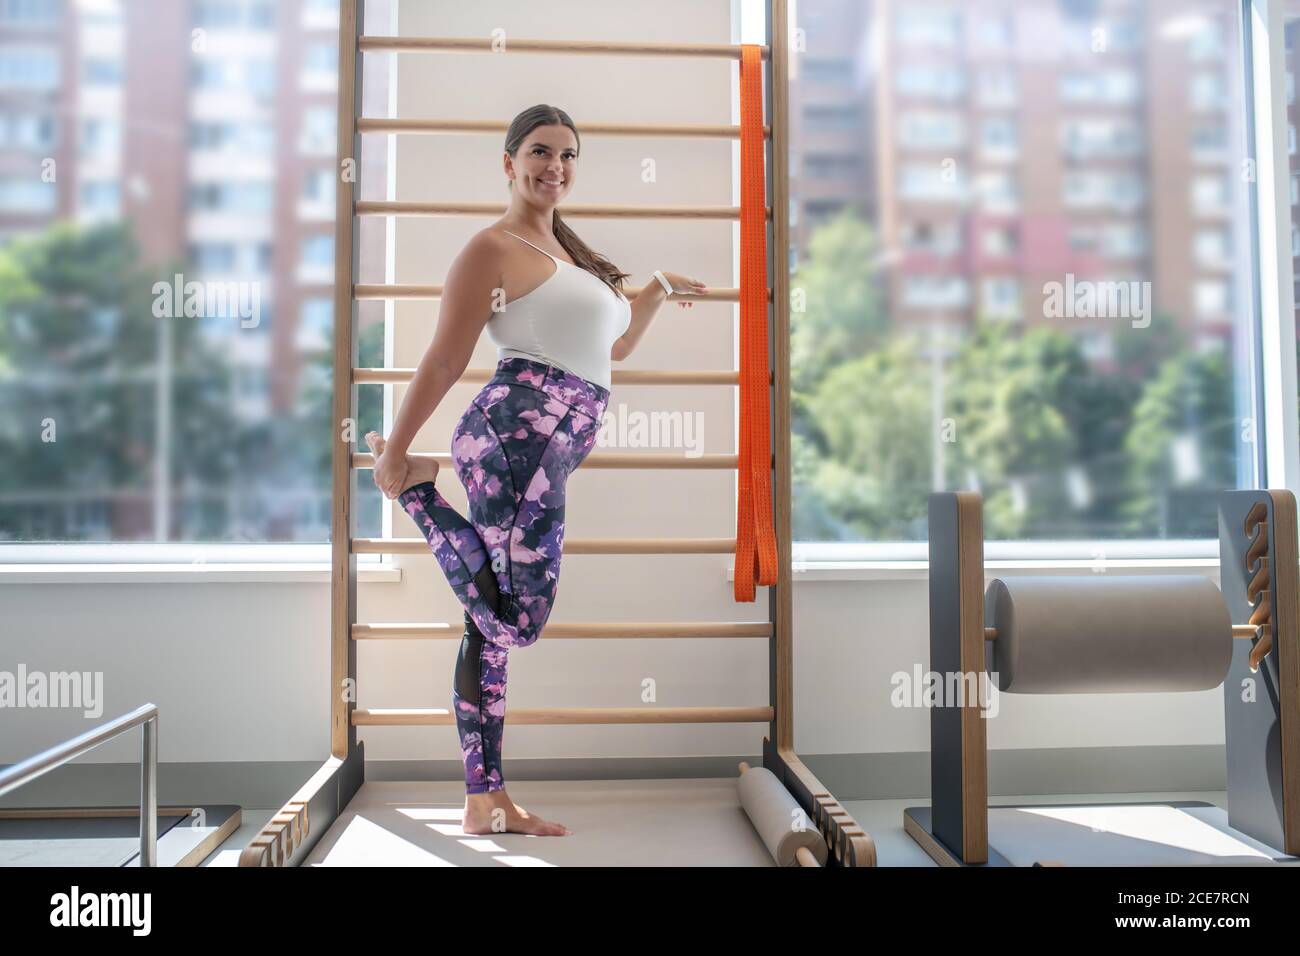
x=239, y=671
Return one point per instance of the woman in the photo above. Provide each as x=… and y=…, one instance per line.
x=557, y=326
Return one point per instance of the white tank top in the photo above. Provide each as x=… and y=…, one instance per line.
x=571, y=320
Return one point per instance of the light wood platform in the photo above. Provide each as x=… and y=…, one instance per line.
x=678, y=822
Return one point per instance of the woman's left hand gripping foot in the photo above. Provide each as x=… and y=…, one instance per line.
x=394, y=474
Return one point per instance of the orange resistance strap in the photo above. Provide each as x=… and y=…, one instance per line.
x=755, y=539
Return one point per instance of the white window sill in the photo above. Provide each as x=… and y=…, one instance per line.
x=197, y=572
x=909, y=561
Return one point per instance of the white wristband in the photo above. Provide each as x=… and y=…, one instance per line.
x=668, y=286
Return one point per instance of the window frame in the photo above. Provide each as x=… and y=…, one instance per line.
x=1264, y=58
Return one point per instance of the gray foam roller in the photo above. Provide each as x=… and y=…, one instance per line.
x=1101, y=634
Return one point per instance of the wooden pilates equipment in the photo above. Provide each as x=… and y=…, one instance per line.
x=396, y=376
x=292, y=833
x=378, y=44
x=571, y=546
x=686, y=130
x=407, y=291
x=1258, y=555
x=440, y=717
x=597, y=459
x=379, y=207
x=1257, y=533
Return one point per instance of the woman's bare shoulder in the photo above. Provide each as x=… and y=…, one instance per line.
x=483, y=254
x=489, y=239
x=489, y=248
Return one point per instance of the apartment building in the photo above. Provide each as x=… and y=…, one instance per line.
x=1018, y=144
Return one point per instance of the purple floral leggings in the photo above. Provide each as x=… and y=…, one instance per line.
x=513, y=450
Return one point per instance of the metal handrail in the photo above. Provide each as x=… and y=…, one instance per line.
x=56, y=756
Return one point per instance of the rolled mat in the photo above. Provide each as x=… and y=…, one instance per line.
x=1108, y=635
x=777, y=817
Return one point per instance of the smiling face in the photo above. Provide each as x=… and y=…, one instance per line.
x=545, y=165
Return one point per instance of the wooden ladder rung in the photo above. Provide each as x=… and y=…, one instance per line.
x=384, y=207
x=384, y=124
x=620, y=376
x=597, y=459
x=571, y=546
x=391, y=44
x=575, y=629
x=370, y=292
x=442, y=717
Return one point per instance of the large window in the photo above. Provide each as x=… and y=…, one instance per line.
x=166, y=295
x=1042, y=290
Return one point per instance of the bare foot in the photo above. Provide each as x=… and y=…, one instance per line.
x=497, y=813
x=417, y=469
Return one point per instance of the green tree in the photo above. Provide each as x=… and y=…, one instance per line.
x=1182, y=446
x=836, y=313
x=79, y=363
x=836, y=318
x=316, y=433
x=874, y=418
x=1053, y=440
x=1011, y=396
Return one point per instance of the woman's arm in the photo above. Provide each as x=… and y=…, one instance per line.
x=463, y=311
x=644, y=308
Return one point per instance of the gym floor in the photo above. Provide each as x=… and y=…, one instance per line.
x=676, y=822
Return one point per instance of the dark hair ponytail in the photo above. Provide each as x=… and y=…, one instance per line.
x=583, y=255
